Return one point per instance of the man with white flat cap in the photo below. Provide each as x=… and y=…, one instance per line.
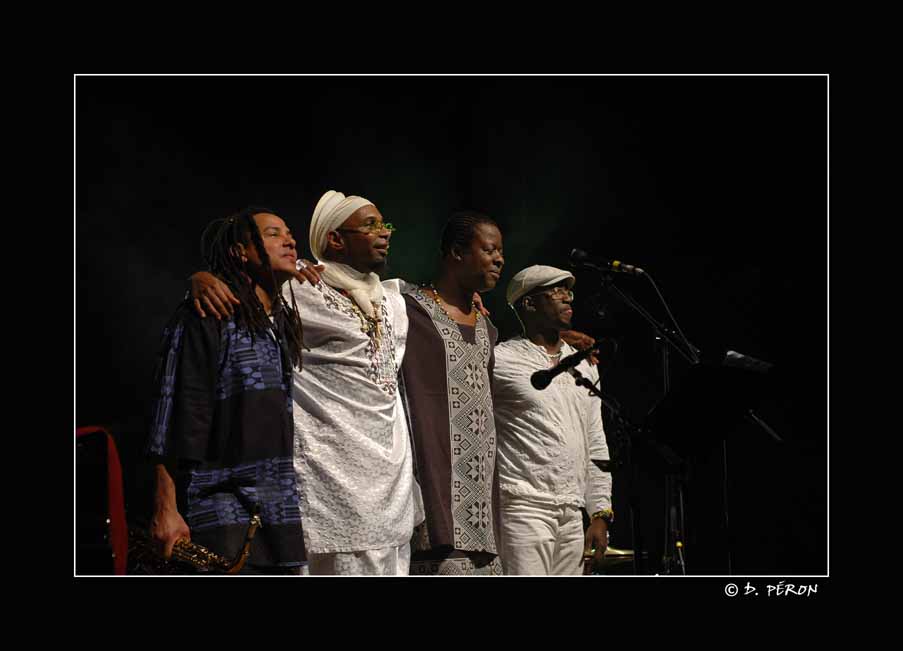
x=548, y=439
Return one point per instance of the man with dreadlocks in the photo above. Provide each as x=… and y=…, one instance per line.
x=222, y=431
x=447, y=376
x=359, y=499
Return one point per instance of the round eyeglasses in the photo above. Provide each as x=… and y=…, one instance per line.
x=369, y=229
x=559, y=293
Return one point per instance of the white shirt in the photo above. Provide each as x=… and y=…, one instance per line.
x=352, y=453
x=547, y=439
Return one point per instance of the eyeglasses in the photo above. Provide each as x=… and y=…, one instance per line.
x=368, y=229
x=559, y=293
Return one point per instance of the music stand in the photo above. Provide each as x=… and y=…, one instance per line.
x=706, y=404
x=703, y=407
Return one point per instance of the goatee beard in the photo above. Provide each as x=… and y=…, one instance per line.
x=380, y=268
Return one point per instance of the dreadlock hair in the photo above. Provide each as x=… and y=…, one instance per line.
x=459, y=230
x=219, y=247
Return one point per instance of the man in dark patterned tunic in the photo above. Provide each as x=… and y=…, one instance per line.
x=222, y=432
x=447, y=372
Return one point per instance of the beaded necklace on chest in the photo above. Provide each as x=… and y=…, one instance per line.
x=551, y=358
x=369, y=325
x=438, y=299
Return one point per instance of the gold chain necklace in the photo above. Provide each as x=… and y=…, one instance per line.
x=369, y=324
x=473, y=305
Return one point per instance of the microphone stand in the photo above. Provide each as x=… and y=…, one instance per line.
x=677, y=469
x=661, y=330
x=631, y=429
x=675, y=478
x=581, y=381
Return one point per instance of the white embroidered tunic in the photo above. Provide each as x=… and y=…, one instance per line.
x=352, y=453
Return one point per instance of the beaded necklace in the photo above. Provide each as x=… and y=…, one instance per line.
x=552, y=358
x=370, y=325
x=473, y=305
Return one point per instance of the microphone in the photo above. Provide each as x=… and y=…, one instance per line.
x=580, y=258
x=541, y=379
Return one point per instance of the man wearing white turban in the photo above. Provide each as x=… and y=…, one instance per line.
x=348, y=252
x=359, y=499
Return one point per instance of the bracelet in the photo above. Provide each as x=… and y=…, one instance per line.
x=605, y=514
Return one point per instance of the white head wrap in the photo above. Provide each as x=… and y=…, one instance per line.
x=332, y=210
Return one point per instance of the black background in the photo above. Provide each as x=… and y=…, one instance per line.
x=716, y=185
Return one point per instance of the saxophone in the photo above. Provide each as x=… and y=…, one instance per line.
x=187, y=557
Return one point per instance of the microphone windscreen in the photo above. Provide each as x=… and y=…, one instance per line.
x=540, y=380
x=578, y=256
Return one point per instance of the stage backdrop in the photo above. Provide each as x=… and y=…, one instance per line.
x=717, y=186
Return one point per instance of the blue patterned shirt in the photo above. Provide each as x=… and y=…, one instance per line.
x=224, y=413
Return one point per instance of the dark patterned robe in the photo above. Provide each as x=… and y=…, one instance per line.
x=223, y=421
x=447, y=372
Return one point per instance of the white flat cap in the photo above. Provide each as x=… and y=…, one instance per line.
x=538, y=275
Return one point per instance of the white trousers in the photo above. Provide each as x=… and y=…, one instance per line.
x=540, y=539
x=384, y=561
